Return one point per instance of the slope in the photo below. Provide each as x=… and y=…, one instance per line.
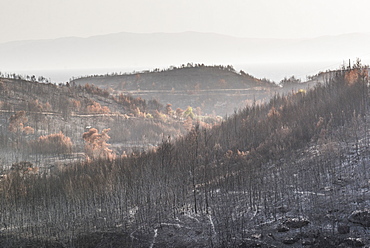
x=31, y=111
x=218, y=89
x=293, y=171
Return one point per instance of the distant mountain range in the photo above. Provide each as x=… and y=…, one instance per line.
x=165, y=49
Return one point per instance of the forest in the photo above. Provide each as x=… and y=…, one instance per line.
x=289, y=172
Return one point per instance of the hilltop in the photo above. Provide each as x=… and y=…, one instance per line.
x=212, y=89
x=185, y=77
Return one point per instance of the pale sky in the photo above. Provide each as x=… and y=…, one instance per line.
x=49, y=19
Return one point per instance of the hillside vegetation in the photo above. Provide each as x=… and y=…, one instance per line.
x=293, y=171
x=32, y=111
x=212, y=89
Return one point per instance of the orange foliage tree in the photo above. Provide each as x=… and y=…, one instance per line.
x=76, y=105
x=56, y=143
x=354, y=75
x=17, y=121
x=358, y=71
x=96, y=146
x=97, y=108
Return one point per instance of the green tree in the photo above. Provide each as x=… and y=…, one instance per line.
x=188, y=113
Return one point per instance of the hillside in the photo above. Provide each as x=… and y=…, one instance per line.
x=185, y=77
x=292, y=172
x=212, y=89
x=32, y=110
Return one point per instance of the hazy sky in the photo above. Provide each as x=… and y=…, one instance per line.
x=40, y=19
